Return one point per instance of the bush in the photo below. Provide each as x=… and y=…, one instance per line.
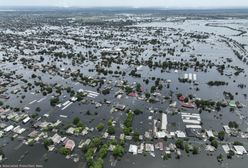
x=186, y=147
x=230, y=154
x=128, y=122
x=136, y=136
x=195, y=150
x=100, y=127
x=179, y=144
x=64, y=151
x=216, y=83
x=106, y=91
x=103, y=151
x=221, y=135
x=98, y=163
x=153, y=89
x=220, y=158
x=237, y=143
x=38, y=109
x=137, y=112
x=233, y=124
x=48, y=142
x=111, y=130
x=54, y=101
x=214, y=143
x=127, y=130
x=118, y=151
x=76, y=120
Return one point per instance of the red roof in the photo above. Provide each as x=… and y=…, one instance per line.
x=188, y=105
x=70, y=144
x=133, y=94
x=181, y=98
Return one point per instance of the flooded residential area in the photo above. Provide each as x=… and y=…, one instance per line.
x=123, y=87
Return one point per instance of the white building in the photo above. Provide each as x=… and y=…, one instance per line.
x=226, y=148
x=193, y=126
x=18, y=130
x=227, y=129
x=149, y=147
x=9, y=128
x=239, y=150
x=194, y=77
x=56, y=138
x=26, y=120
x=164, y=122
x=190, y=76
x=180, y=134
x=210, y=133
x=133, y=149
x=186, y=76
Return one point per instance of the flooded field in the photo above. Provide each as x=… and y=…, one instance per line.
x=123, y=89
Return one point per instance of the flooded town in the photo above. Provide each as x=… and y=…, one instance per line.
x=123, y=87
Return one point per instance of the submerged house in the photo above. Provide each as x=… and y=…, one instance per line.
x=210, y=133
x=120, y=107
x=232, y=104
x=133, y=149
x=56, y=138
x=70, y=144
x=164, y=122
x=239, y=150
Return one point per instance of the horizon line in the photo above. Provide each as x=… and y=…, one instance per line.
x=129, y=7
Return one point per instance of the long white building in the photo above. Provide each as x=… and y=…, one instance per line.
x=164, y=121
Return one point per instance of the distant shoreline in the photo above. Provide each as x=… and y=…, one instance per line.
x=241, y=10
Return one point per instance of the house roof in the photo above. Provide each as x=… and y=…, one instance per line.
x=70, y=144
x=240, y=150
x=133, y=149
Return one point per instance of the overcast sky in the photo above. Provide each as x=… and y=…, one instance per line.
x=130, y=3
